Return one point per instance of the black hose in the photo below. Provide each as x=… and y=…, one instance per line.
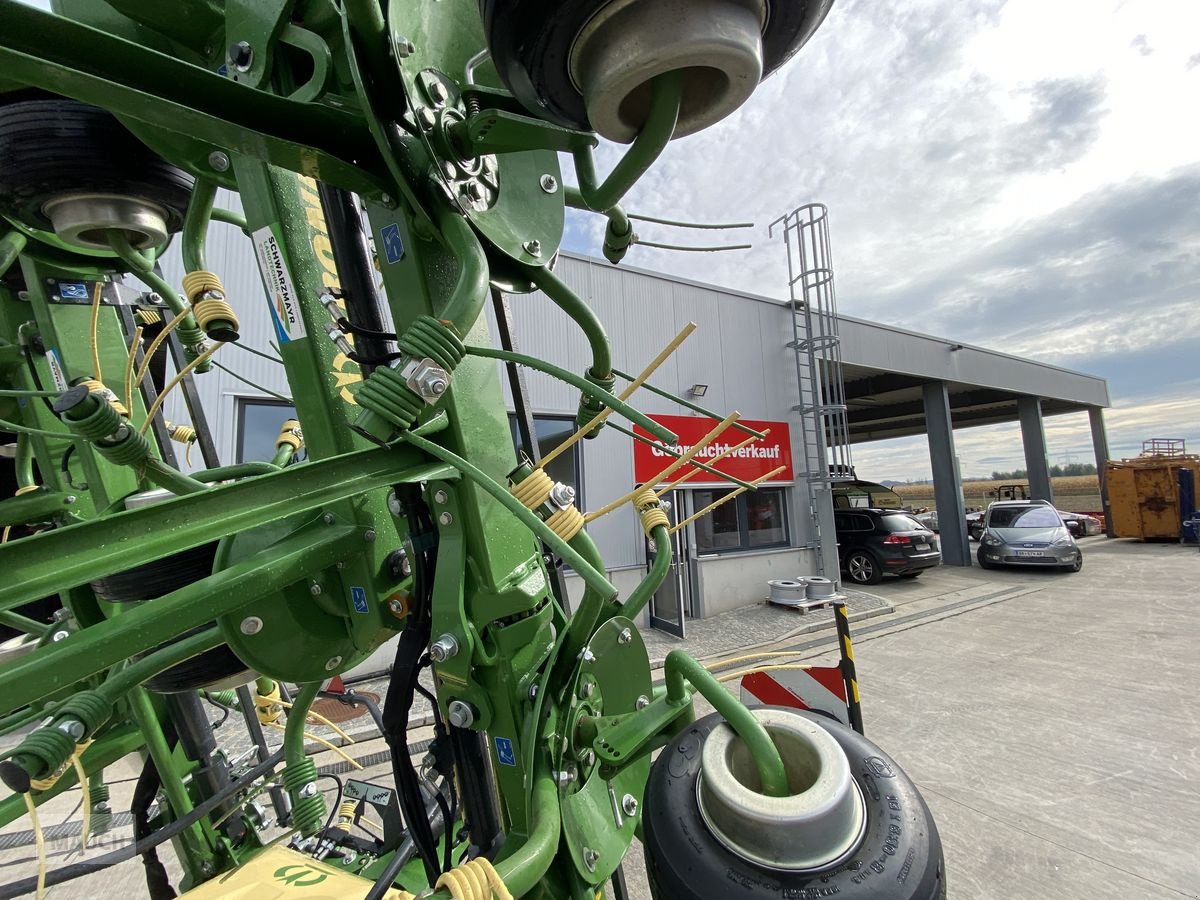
x=77, y=870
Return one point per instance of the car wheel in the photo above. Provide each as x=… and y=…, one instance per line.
x=983, y=563
x=899, y=856
x=863, y=568
x=1075, y=566
x=909, y=574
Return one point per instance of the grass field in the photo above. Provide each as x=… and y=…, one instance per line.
x=1076, y=493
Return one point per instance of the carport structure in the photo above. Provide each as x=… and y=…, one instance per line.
x=900, y=383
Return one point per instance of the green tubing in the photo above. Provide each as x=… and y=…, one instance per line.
x=237, y=470
x=641, y=594
x=566, y=300
x=618, y=235
x=21, y=623
x=189, y=332
x=300, y=773
x=24, y=461
x=593, y=577
x=525, y=867
x=11, y=246
x=14, y=428
x=471, y=290
x=23, y=393
x=159, y=473
x=680, y=666
x=157, y=661
x=588, y=387
x=744, y=429
x=675, y=454
x=229, y=217
x=284, y=454
x=583, y=621
x=195, y=224
x=666, y=92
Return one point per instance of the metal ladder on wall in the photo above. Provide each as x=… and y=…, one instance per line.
x=824, y=432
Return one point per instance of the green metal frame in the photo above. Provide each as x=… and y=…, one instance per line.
x=374, y=104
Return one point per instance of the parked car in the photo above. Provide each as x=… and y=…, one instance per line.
x=875, y=542
x=1027, y=533
x=975, y=524
x=929, y=519
x=864, y=495
x=1081, y=524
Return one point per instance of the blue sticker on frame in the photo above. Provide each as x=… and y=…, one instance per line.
x=73, y=290
x=359, y=596
x=505, y=752
x=393, y=244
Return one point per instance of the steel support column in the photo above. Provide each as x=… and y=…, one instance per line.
x=947, y=488
x=1100, y=446
x=1033, y=436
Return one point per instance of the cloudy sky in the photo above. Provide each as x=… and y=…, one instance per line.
x=1020, y=175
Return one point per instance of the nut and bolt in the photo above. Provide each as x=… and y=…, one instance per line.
x=625, y=636
x=395, y=607
x=349, y=858
x=473, y=191
x=308, y=790
x=440, y=497
x=251, y=625
x=586, y=689
x=549, y=183
x=588, y=757
x=60, y=636
x=393, y=503
x=642, y=702
x=219, y=161
x=566, y=777
x=327, y=518
x=443, y=648
x=629, y=804
x=314, y=589
x=562, y=494
x=590, y=858
x=449, y=169
x=427, y=117
x=73, y=728
x=445, y=518
x=241, y=55
x=404, y=47
x=438, y=92
x=587, y=655
x=369, y=535
x=533, y=248
x=461, y=714
x=332, y=663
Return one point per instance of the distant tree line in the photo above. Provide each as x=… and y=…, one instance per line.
x=1055, y=472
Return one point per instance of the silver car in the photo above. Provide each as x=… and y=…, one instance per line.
x=1027, y=533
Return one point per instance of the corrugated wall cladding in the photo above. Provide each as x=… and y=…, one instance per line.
x=739, y=350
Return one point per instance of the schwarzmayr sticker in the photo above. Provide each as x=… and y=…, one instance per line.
x=281, y=293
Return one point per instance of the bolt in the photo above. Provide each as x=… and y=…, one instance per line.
x=349, y=858
x=219, y=161
x=332, y=663
x=449, y=170
x=590, y=858
x=437, y=386
x=549, y=183
x=59, y=636
x=70, y=498
x=438, y=92
x=587, y=757
x=562, y=494
x=309, y=789
x=241, y=55
x=327, y=518
x=533, y=691
x=586, y=689
x=445, y=518
x=587, y=655
x=251, y=625
x=395, y=607
x=474, y=190
x=404, y=47
x=440, y=497
x=369, y=535
x=533, y=248
x=386, y=200
x=443, y=648
x=642, y=702
x=625, y=636
x=72, y=727
x=629, y=804
x=208, y=867
x=314, y=589
x=427, y=117
x=461, y=714
x=566, y=777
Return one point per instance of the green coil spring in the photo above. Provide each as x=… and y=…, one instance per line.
x=95, y=420
x=225, y=698
x=308, y=812
x=590, y=407
x=435, y=339
x=387, y=395
x=91, y=708
x=98, y=798
x=130, y=450
x=42, y=753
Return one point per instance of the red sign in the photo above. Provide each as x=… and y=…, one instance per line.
x=753, y=461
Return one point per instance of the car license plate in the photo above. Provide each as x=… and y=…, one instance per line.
x=1030, y=553
x=922, y=548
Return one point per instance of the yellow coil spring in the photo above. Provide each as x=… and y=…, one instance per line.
x=207, y=296
x=104, y=393
x=268, y=706
x=290, y=435
x=566, y=522
x=346, y=814
x=648, y=508
x=182, y=434
x=476, y=879
x=28, y=489
x=147, y=316
x=534, y=490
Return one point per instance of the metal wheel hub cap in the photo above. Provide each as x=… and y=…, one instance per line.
x=816, y=827
x=85, y=219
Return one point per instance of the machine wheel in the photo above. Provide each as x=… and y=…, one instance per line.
x=52, y=146
x=899, y=856
x=863, y=568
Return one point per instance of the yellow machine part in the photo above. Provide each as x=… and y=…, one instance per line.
x=1143, y=496
x=279, y=873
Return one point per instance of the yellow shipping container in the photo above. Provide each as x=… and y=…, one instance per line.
x=1143, y=495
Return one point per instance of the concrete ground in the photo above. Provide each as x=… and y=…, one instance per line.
x=1047, y=718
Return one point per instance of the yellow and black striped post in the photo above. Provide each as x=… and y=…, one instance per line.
x=849, y=674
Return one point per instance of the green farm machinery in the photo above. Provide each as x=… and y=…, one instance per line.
x=414, y=144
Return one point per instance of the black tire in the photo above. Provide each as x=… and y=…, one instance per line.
x=898, y=859
x=863, y=568
x=983, y=563
x=151, y=581
x=530, y=43
x=53, y=146
x=1075, y=566
x=910, y=574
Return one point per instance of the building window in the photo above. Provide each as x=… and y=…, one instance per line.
x=549, y=432
x=753, y=521
x=258, y=427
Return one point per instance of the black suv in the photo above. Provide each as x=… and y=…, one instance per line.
x=874, y=542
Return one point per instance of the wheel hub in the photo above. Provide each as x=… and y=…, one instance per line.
x=86, y=219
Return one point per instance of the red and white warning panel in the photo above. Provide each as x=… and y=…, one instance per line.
x=819, y=688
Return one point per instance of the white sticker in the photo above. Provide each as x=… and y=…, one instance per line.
x=56, y=370
x=281, y=293
x=375, y=794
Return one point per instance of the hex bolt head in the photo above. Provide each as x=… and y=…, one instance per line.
x=438, y=386
x=327, y=518
x=533, y=248
x=395, y=607
x=404, y=47
x=332, y=663
x=438, y=92
x=449, y=169
x=369, y=535
x=587, y=655
x=440, y=497
x=629, y=804
x=218, y=161
x=586, y=689
x=642, y=702
x=549, y=183
x=427, y=117
x=562, y=494
x=314, y=589
x=251, y=625
x=445, y=518
x=73, y=728
x=590, y=858
x=566, y=777
x=625, y=636
x=241, y=55
x=461, y=714
x=474, y=190
x=308, y=790
x=444, y=648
